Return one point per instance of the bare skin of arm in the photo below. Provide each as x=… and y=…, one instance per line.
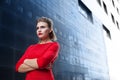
x=29, y=65
x=25, y=68
x=33, y=63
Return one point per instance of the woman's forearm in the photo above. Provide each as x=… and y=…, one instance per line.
x=33, y=63
x=25, y=68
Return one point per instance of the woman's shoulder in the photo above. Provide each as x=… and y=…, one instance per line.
x=56, y=44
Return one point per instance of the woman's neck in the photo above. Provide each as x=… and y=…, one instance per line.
x=43, y=41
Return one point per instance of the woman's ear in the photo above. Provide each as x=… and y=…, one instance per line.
x=51, y=30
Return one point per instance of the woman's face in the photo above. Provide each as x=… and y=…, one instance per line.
x=43, y=30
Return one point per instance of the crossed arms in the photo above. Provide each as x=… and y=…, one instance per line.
x=44, y=62
x=31, y=64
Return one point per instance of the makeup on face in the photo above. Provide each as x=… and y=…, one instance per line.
x=42, y=30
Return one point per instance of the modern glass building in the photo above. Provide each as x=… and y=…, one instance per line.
x=78, y=26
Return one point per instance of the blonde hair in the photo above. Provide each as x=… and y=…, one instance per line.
x=52, y=35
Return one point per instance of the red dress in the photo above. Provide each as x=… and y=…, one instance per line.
x=45, y=54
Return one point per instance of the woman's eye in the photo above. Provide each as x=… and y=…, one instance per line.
x=37, y=28
x=42, y=26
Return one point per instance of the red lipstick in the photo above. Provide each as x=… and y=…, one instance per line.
x=39, y=33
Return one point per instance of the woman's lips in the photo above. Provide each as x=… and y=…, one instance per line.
x=39, y=33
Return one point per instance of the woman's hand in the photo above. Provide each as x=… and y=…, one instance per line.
x=49, y=66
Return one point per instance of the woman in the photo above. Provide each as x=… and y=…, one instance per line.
x=38, y=59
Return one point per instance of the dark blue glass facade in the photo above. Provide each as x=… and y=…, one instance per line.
x=80, y=34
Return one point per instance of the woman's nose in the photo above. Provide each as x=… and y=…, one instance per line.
x=39, y=30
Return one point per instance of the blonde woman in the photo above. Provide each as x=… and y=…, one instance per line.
x=38, y=59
